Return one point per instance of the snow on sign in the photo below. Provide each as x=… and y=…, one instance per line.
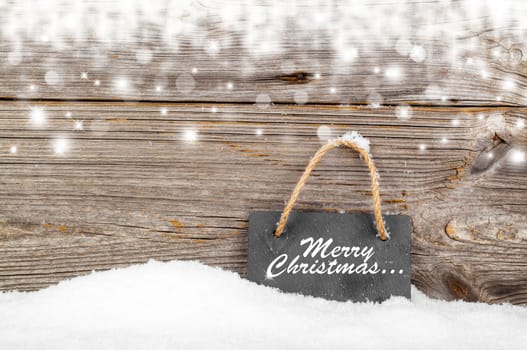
x=332, y=255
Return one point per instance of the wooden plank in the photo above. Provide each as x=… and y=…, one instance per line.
x=136, y=183
x=287, y=52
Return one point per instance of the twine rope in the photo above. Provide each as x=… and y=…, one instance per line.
x=382, y=232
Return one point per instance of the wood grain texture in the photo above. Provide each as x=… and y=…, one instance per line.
x=280, y=55
x=131, y=187
x=165, y=151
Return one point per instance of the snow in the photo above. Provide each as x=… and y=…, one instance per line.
x=37, y=116
x=188, y=305
x=403, y=111
x=261, y=25
x=357, y=139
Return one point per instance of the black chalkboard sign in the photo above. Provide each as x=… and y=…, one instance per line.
x=331, y=255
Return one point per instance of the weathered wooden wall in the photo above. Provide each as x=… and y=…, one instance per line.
x=133, y=185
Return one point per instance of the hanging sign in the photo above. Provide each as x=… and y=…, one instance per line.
x=348, y=256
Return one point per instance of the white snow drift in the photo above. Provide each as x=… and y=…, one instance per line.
x=192, y=306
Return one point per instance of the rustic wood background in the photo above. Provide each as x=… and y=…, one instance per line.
x=132, y=188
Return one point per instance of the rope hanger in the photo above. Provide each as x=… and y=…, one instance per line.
x=357, y=143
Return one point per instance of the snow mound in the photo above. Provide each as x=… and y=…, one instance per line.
x=188, y=305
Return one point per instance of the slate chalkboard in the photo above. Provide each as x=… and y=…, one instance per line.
x=331, y=255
